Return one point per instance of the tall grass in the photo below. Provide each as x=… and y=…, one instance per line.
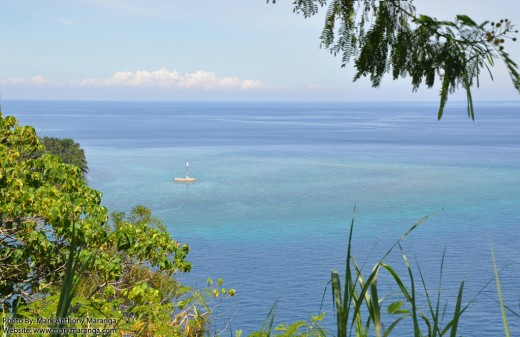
x=503, y=307
x=359, y=307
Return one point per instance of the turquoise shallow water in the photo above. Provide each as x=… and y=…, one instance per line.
x=277, y=183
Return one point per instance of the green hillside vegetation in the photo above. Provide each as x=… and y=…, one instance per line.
x=67, y=150
x=61, y=256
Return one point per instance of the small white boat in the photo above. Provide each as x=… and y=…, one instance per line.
x=187, y=179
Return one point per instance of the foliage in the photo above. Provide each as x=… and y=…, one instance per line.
x=55, y=234
x=310, y=328
x=42, y=201
x=140, y=310
x=69, y=151
x=361, y=311
x=62, y=258
x=136, y=287
x=390, y=37
x=198, y=306
x=361, y=291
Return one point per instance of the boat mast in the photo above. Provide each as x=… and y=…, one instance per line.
x=187, y=179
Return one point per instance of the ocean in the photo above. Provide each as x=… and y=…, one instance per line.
x=277, y=183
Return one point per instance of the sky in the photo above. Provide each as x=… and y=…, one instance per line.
x=201, y=50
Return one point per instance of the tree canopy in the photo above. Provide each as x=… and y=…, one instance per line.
x=46, y=208
x=389, y=36
x=69, y=151
x=41, y=200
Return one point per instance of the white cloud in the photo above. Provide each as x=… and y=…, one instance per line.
x=35, y=80
x=14, y=81
x=252, y=84
x=39, y=80
x=162, y=78
x=172, y=79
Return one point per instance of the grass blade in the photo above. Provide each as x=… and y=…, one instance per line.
x=269, y=320
x=369, y=296
x=414, y=226
x=416, y=329
x=343, y=302
x=500, y=298
x=458, y=312
x=67, y=287
x=337, y=300
x=434, y=314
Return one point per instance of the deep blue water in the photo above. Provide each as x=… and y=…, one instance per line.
x=277, y=183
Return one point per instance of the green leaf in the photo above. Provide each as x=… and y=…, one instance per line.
x=466, y=20
x=444, y=95
x=392, y=308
